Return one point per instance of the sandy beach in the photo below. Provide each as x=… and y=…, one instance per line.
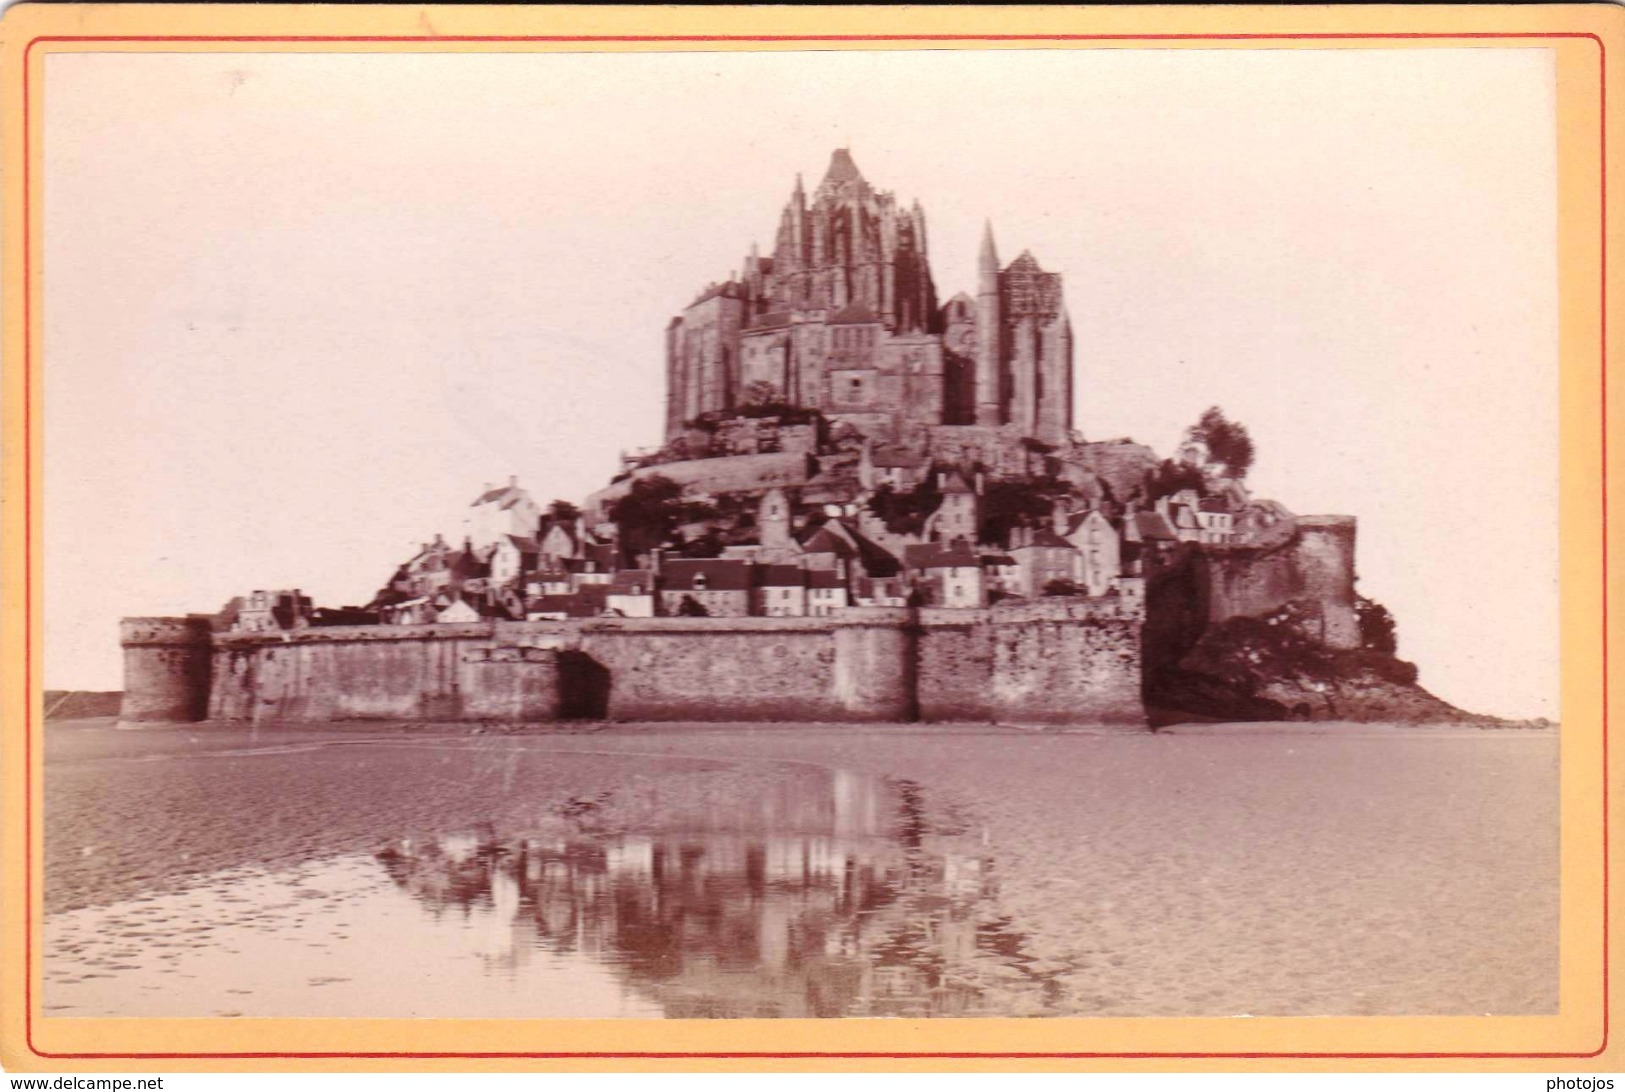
x=800, y=871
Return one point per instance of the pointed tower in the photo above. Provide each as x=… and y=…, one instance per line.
x=989, y=398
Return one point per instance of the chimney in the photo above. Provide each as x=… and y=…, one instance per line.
x=513, y=481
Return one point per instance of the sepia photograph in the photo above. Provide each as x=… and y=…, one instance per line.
x=800, y=533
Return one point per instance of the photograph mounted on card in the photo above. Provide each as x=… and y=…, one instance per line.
x=752, y=538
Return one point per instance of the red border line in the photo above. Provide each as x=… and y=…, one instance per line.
x=28, y=527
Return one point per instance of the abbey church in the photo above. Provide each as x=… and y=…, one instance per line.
x=843, y=318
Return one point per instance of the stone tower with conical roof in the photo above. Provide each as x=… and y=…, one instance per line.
x=842, y=317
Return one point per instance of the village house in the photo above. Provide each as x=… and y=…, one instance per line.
x=1147, y=541
x=1180, y=510
x=549, y=608
x=1099, y=552
x=273, y=611
x=631, y=594
x=827, y=592
x=453, y=607
x=945, y=574
x=897, y=467
x=588, y=601
x=1001, y=576
x=548, y=581
x=559, y=541
x=717, y=587
x=780, y=591
x=594, y=565
x=1042, y=558
x=501, y=510
x=511, y=557
x=875, y=591
x=958, y=517
x=831, y=546
x=1216, y=522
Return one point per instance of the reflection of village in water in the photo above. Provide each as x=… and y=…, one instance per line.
x=825, y=895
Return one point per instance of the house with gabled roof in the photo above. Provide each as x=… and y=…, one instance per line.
x=631, y=594
x=1001, y=575
x=893, y=465
x=594, y=565
x=958, y=517
x=559, y=541
x=716, y=587
x=1217, y=521
x=590, y=601
x=1147, y=540
x=943, y=574
x=1042, y=558
x=1099, y=547
x=453, y=607
x=511, y=557
x=779, y=591
x=827, y=592
x=874, y=591
x=501, y=510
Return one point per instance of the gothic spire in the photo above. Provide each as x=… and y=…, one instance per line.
x=841, y=168
x=990, y=255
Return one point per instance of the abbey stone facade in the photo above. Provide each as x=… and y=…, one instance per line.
x=843, y=317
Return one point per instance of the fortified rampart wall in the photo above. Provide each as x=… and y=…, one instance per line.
x=1051, y=661
x=1314, y=566
x=1063, y=661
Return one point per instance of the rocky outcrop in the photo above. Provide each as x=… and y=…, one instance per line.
x=1276, y=667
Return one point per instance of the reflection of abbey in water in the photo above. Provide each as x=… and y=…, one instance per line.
x=843, y=910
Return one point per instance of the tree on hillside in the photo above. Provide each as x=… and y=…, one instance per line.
x=1007, y=504
x=904, y=513
x=1376, y=626
x=1172, y=476
x=650, y=511
x=707, y=545
x=1228, y=443
x=562, y=511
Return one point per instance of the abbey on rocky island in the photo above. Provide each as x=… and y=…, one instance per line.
x=867, y=506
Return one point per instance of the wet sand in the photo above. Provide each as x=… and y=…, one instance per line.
x=795, y=871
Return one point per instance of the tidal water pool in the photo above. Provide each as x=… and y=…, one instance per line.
x=807, y=871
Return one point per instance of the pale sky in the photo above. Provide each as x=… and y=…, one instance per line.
x=299, y=308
